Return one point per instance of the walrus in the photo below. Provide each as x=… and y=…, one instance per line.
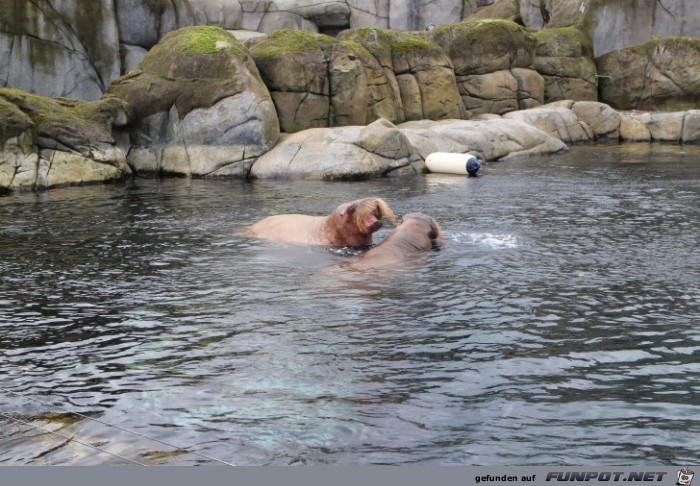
x=350, y=224
x=417, y=233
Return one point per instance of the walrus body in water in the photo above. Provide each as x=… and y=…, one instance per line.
x=417, y=233
x=350, y=224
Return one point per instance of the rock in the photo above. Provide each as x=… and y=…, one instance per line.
x=603, y=120
x=199, y=106
x=131, y=56
x=498, y=9
x=343, y=153
x=143, y=23
x=484, y=53
x=564, y=58
x=632, y=129
x=419, y=75
x=226, y=14
x=691, y=127
x=49, y=142
x=59, y=48
x=491, y=139
x=556, y=120
x=667, y=82
x=666, y=127
x=618, y=24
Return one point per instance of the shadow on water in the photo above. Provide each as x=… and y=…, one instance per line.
x=557, y=325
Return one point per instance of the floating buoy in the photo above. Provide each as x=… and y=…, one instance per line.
x=452, y=163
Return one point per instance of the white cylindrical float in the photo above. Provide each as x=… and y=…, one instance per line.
x=452, y=163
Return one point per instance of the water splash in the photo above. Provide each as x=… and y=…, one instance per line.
x=494, y=241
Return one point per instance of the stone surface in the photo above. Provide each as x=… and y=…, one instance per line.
x=199, y=106
x=484, y=54
x=59, y=48
x=47, y=142
x=344, y=153
x=603, y=120
x=557, y=120
x=564, y=58
x=491, y=139
x=659, y=75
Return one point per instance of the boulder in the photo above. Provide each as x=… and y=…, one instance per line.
x=659, y=75
x=343, y=153
x=564, y=58
x=199, y=106
x=490, y=58
x=419, y=75
x=557, y=120
x=664, y=127
x=49, y=142
x=489, y=139
x=600, y=118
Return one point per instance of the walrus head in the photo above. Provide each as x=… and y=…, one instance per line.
x=357, y=220
x=369, y=213
x=429, y=225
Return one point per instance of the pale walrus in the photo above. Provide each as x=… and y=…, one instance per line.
x=350, y=224
x=417, y=233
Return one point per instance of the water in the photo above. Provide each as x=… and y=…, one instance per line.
x=558, y=324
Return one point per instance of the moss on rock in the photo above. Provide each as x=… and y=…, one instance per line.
x=563, y=42
x=194, y=52
x=287, y=41
x=483, y=46
x=59, y=121
x=193, y=67
x=13, y=121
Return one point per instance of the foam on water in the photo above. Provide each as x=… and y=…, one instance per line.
x=494, y=241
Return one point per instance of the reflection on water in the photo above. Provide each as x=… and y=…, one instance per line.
x=557, y=325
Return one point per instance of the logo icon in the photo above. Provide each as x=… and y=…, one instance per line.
x=685, y=476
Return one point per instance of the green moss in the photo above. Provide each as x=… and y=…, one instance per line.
x=194, y=52
x=12, y=121
x=563, y=42
x=398, y=42
x=290, y=41
x=476, y=27
x=72, y=123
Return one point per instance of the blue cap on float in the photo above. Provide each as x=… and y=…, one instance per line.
x=473, y=167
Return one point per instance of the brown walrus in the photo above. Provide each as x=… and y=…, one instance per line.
x=417, y=233
x=350, y=224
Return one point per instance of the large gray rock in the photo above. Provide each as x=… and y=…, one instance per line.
x=491, y=60
x=199, y=106
x=419, y=74
x=564, y=59
x=344, y=153
x=558, y=120
x=659, y=75
x=490, y=139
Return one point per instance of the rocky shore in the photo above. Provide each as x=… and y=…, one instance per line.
x=206, y=101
